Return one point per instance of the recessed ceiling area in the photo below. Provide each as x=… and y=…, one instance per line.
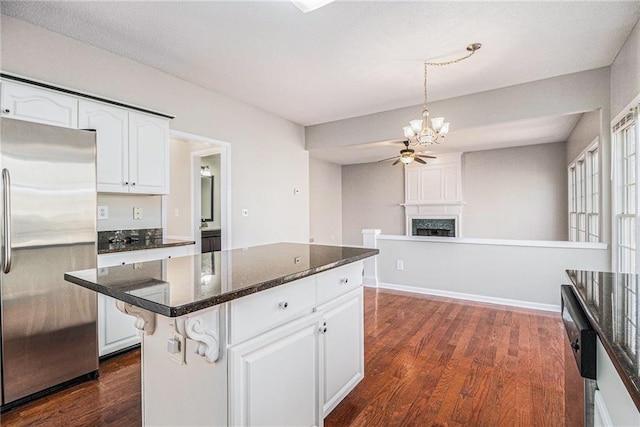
x=541, y=130
x=349, y=58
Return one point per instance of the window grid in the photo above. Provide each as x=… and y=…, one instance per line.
x=584, y=196
x=626, y=197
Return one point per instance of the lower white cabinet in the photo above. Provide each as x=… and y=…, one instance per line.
x=116, y=330
x=275, y=377
x=297, y=372
x=342, y=348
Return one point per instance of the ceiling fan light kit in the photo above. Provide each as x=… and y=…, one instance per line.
x=419, y=132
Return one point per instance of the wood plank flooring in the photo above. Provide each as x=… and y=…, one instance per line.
x=429, y=362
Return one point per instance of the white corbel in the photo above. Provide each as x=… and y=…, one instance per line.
x=145, y=320
x=204, y=328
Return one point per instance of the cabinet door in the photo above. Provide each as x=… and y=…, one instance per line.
x=148, y=154
x=342, y=348
x=112, y=136
x=116, y=330
x=39, y=105
x=273, y=378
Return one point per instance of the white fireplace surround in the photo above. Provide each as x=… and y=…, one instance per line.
x=434, y=191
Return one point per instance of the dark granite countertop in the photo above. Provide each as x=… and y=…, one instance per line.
x=611, y=302
x=153, y=243
x=182, y=285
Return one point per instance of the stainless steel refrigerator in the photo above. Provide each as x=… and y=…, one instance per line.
x=48, y=217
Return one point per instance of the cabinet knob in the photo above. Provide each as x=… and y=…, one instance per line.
x=344, y=281
x=126, y=183
x=6, y=111
x=283, y=305
x=323, y=330
x=133, y=183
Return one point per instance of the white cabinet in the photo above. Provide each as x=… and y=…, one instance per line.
x=133, y=149
x=296, y=350
x=342, y=348
x=275, y=380
x=116, y=330
x=112, y=140
x=148, y=154
x=438, y=182
x=33, y=104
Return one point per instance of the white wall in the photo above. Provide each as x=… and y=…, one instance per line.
x=571, y=93
x=521, y=275
x=586, y=130
x=625, y=73
x=268, y=157
x=325, y=202
x=121, y=212
x=179, y=202
x=371, y=197
x=515, y=193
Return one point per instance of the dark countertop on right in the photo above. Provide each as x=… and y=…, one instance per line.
x=612, y=304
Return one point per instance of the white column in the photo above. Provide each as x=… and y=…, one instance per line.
x=370, y=240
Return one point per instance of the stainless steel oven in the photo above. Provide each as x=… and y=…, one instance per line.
x=579, y=362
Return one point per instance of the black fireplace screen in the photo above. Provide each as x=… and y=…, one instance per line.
x=433, y=227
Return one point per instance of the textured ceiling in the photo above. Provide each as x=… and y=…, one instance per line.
x=351, y=57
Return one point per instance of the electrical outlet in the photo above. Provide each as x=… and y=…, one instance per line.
x=137, y=213
x=103, y=212
x=176, y=346
x=245, y=212
x=399, y=265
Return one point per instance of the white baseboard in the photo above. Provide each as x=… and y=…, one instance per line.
x=470, y=297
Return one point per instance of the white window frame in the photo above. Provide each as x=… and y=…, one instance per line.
x=584, y=199
x=625, y=192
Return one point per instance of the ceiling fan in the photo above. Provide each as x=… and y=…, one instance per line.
x=408, y=155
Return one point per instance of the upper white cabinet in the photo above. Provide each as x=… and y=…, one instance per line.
x=438, y=182
x=112, y=136
x=148, y=154
x=133, y=149
x=33, y=104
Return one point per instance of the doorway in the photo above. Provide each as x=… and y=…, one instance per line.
x=192, y=159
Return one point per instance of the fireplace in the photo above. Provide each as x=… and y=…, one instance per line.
x=439, y=227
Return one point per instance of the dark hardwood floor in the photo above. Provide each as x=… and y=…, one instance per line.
x=429, y=362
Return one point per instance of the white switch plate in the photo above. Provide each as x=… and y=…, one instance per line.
x=103, y=212
x=296, y=191
x=399, y=265
x=245, y=212
x=137, y=213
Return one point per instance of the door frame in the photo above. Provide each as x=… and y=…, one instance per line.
x=217, y=147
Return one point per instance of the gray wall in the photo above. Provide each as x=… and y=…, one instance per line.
x=625, y=73
x=325, y=202
x=510, y=193
x=515, y=193
x=371, y=197
x=583, y=134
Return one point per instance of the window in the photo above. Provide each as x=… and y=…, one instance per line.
x=625, y=136
x=584, y=196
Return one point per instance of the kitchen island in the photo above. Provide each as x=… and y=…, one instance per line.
x=268, y=335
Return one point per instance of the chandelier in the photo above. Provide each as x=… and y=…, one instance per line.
x=419, y=132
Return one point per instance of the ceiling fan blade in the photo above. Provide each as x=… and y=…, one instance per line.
x=396, y=162
x=425, y=156
x=419, y=160
x=390, y=158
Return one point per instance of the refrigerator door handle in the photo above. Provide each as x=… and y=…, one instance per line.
x=6, y=198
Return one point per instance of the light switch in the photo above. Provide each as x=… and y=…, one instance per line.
x=103, y=212
x=245, y=212
x=137, y=213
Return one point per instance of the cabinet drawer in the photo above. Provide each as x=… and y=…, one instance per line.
x=338, y=281
x=257, y=313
